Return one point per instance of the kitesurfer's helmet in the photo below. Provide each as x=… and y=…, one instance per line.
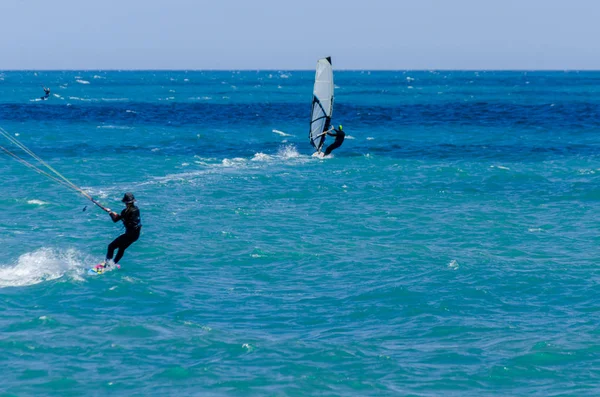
x=340, y=127
x=128, y=198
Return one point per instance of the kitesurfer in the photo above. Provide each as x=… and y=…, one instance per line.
x=47, y=91
x=133, y=225
x=339, y=139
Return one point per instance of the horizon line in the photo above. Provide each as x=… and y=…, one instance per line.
x=301, y=70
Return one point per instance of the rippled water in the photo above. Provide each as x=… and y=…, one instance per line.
x=448, y=247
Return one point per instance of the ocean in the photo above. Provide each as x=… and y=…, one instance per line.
x=449, y=247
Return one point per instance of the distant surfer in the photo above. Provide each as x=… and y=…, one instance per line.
x=47, y=92
x=133, y=225
x=339, y=139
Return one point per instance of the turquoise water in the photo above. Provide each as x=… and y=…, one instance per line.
x=448, y=247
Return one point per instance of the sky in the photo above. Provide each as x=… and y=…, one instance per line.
x=293, y=34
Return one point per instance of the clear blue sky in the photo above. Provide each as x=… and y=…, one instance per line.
x=292, y=34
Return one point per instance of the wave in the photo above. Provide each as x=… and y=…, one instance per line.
x=82, y=81
x=115, y=127
x=281, y=133
x=115, y=99
x=288, y=152
x=37, y=202
x=261, y=157
x=179, y=177
x=42, y=265
x=75, y=98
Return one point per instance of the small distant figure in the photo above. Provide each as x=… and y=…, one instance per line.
x=133, y=226
x=339, y=139
x=47, y=91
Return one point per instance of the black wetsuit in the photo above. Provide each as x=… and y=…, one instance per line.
x=339, y=139
x=47, y=91
x=133, y=225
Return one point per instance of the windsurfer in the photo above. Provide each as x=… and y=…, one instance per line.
x=339, y=135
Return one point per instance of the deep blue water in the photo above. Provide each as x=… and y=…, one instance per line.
x=450, y=246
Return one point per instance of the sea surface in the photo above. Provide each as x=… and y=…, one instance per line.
x=449, y=247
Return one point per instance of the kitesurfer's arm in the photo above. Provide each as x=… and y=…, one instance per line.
x=332, y=132
x=114, y=216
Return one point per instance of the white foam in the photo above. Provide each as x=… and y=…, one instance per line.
x=130, y=111
x=115, y=99
x=37, y=202
x=261, y=157
x=370, y=138
x=233, y=162
x=350, y=137
x=453, y=265
x=283, y=153
x=500, y=167
x=41, y=265
x=181, y=177
x=99, y=77
x=281, y=133
x=114, y=127
x=79, y=99
x=83, y=81
x=288, y=152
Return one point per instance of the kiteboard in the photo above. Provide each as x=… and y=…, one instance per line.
x=100, y=268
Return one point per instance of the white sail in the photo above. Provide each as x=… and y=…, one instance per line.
x=322, y=104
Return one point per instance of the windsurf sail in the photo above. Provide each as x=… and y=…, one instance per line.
x=322, y=103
